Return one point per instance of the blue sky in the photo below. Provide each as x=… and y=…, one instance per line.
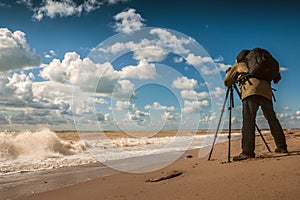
x=60, y=67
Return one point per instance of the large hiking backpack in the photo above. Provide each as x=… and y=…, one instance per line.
x=262, y=65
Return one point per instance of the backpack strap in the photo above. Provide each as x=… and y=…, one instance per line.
x=242, y=77
x=273, y=95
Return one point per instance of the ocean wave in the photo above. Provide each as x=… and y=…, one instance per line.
x=30, y=151
x=36, y=145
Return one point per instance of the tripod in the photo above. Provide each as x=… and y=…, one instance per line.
x=229, y=93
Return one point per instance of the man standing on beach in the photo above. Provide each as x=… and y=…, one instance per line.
x=254, y=93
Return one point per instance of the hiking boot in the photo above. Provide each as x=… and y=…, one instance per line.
x=243, y=156
x=281, y=150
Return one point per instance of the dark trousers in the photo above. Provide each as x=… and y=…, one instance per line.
x=250, y=107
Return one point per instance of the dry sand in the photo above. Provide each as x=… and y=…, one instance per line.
x=268, y=176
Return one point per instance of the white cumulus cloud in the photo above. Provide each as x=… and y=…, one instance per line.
x=170, y=41
x=157, y=106
x=50, y=54
x=100, y=78
x=90, y=77
x=138, y=116
x=152, y=50
x=283, y=69
x=185, y=83
x=194, y=106
x=218, y=92
x=52, y=9
x=150, y=53
x=15, y=52
x=128, y=21
x=20, y=91
x=193, y=95
x=55, y=8
x=142, y=71
x=125, y=105
x=167, y=116
x=197, y=60
x=178, y=59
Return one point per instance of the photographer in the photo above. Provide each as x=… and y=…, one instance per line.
x=254, y=93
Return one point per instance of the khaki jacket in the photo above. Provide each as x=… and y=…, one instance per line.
x=258, y=87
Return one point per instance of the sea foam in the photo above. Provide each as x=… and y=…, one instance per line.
x=30, y=151
x=36, y=145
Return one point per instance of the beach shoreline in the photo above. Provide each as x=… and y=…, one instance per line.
x=268, y=176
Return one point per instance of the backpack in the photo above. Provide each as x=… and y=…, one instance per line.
x=262, y=65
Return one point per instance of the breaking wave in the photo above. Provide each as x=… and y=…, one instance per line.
x=36, y=145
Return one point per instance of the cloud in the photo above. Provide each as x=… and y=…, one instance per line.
x=83, y=109
x=141, y=113
x=185, y=83
x=150, y=53
x=197, y=60
x=171, y=41
x=47, y=102
x=124, y=89
x=3, y=119
x=157, y=106
x=178, y=59
x=208, y=66
x=24, y=118
x=191, y=107
x=142, y=71
x=210, y=117
x=128, y=21
x=16, y=90
x=49, y=55
x=289, y=119
x=193, y=95
x=91, y=5
x=217, y=92
x=52, y=9
x=4, y=5
x=52, y=95
x=116, y=1
x=138, y=116
x=66, y=8
x=15, y=52
x=283, y=69
x=223, y=67
x=163, y=42
x=125, y=105
x=82, y=73
x=167, y=116
x=286, y=108
x=103, y=117
x=35, y=117
x=97, y=100
x=19, y=91
x=27, y=3
x=100, y=78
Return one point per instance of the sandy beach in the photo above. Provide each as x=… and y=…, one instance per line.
x=268, y=176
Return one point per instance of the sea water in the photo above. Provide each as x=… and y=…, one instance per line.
x=41, y=150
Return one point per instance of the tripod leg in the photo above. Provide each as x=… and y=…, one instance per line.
x=219, y=123
x=229, y=122
x=262, y=137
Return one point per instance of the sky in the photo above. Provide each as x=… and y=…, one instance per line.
x=129, y=64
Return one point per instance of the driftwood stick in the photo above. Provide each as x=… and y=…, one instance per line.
x=172, y=175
